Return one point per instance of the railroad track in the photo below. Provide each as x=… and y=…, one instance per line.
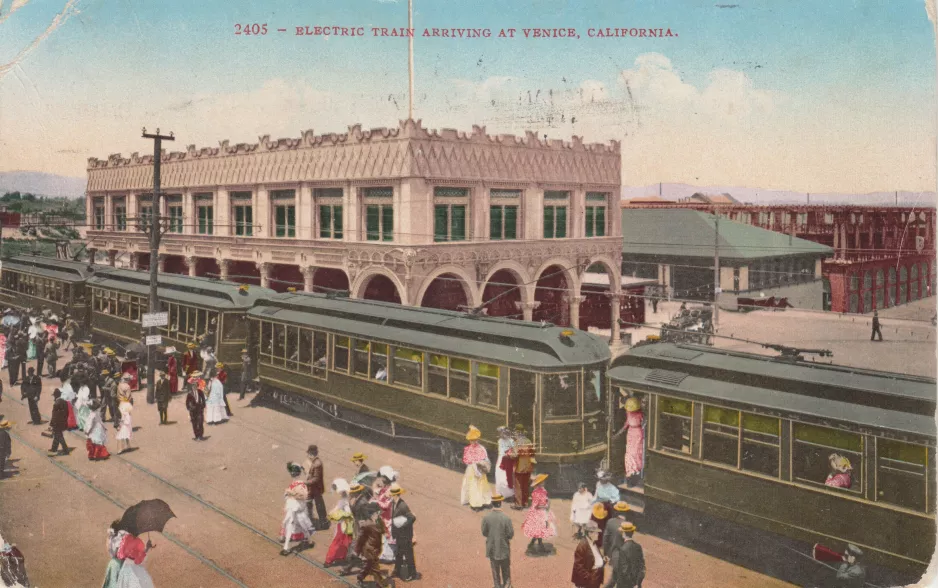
x=188, y=494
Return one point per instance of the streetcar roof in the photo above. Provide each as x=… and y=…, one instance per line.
x=204, y=292
x=824, y=374
x=64, y=270
x=531, y=345
x=741, y=395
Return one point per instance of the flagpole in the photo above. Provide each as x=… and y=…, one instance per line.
x=410, y=58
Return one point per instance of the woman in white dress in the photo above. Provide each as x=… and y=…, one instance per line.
x=126, y=430
x=476, y=491
x=215, y=404
x=581, y=508
x=296, y=526
x=97, y=433
x=83, y=406
x=133, y=575
x=504, y=464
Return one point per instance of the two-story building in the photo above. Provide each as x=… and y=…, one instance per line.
x=443, y=219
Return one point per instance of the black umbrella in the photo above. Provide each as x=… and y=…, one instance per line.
x=146, y=516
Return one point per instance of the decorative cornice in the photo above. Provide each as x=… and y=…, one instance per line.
x=408, y=129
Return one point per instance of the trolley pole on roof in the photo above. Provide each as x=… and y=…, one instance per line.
x=716, y=270
x=154, y=251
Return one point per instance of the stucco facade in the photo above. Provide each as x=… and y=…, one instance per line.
x=435, y=218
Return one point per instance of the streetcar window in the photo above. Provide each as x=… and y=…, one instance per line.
x=123, y=305
x=236, y=327
x=437, y=373
x=760, y=451
x=305, y=357
x=560, y=394
x=340, y=353
x=320, y=354
x=279, y=341
x=292, y=348
x=593, y=392
x=721, y=435
x=486, y=384
x=408, y=367
x=360, y=363
x=379, y=361
x=459, y=379
x=674, y=424
x=267, y=336
x=828, y=457
x=900, y=473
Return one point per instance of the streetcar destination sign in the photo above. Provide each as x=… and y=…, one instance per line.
x=154, y=339
x=155, y=319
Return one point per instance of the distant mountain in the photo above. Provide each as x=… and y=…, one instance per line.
x=759, y=196
x=42, y=184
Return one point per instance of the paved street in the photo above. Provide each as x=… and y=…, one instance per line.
x=227, y=495
x=908, y=344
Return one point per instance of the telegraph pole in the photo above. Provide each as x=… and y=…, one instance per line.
x=410, y=59
x=716, y=271
x=154, y=251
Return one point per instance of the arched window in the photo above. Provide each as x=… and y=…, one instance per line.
x=867, y=280
x=854, y=301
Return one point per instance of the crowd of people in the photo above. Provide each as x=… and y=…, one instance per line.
x=370, y=520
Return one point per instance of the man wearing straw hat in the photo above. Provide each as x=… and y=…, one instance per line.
x=612, y=540
x=402, y=530
x=588, y=564
x=524, y=466
x=498, y=531
x=6, y=446
x=628, y=567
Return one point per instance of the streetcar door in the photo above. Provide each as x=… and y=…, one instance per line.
x=522, y=399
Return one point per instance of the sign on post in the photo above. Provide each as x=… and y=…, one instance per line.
x=155, y=319
x=154, y=339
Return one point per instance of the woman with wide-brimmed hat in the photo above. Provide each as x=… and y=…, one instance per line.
x=296, y=526
x=539, y=523
x=476, y=491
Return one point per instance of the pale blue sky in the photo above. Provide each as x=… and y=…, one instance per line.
x=798, y=94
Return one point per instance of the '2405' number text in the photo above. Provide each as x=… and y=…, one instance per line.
x=251, y=29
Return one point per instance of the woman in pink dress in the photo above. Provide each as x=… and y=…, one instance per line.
x=841, y=475
x=634, y=440
x=539, y=523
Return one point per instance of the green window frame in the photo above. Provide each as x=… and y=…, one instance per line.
x=449, y=222
x=812, y=447
x=555, y=222
x=206, y=215
x=175, y=218
x=595, y=221
x=285, y=220
x=120, y=217
x=379, y=222
x=244, y=220
x=761, y=444
x=560, y=393
x=902, y=474
x=503, y=222
x=674, y=427
x=407, y=369
x=330, y=221
x=721, y=440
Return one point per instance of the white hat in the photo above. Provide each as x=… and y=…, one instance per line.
x=341, y=485
x=388, y=472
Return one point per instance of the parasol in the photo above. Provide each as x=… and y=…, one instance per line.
x=146, y=516
x=137, y=348
x=10, y=320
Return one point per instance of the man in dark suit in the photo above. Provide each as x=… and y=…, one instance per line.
x=612, y=540
x=22, y=351
x=628, y=570
x=41, y=340
x=315, y=487
x=31, y=389
x=59, y=423
x=368, y=546
x=851, y=574
x=876, y=327
x=6, y=446
x=13, y=359
x=402, y=531
x=498, y=532
x=588, y=566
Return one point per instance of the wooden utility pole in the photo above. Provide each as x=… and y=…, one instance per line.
x=716, y=271
x=154, y=251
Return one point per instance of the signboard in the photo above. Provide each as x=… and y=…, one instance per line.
x=154, y=339
x=718, y=290
x=155, y=319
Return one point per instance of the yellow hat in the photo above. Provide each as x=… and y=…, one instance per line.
x=5, y=424
x=190, y=345
x=497, y=498
x=243, y=288
x=358, y=457
x=219, y=365
x=109, y=352
x=633, y=404
x=244, y=351
x=396, y=490
x=622, y=506
x=356, y=489
x=291, y=289
x=627, y=527
x=474, y=434
x=105, y=372
x=599, y=511
x=540, y=478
